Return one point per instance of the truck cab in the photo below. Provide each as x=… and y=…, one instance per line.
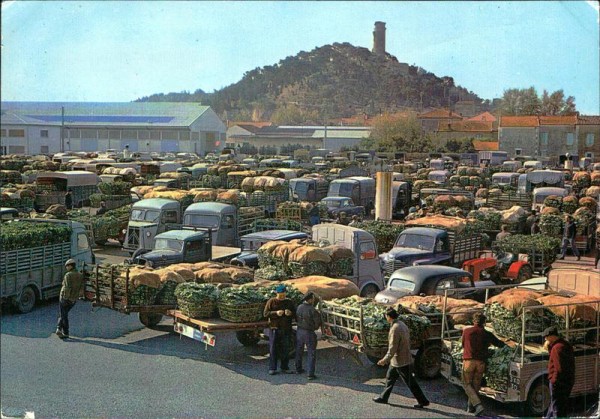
x=540, y=179
x=177, y=246
x=338, y=204
x=360, y=188
x=148, y=218
x=366, y=273
x=220, y=218
x=505, y=179
x=308, y=189
x=540, y=195
x=439, y=176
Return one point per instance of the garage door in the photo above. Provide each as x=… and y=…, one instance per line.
x=169, y=146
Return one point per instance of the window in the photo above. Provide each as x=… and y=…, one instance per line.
x=44, y=133
x=195, y=136
x=82, y=242
x=184, y=135
x=89, y=133
x=114, y=134
x=170, y=216
x=367, y=250
x=129, y=134
x=155, y=135
x=589, y=139
x=169, y=135
x=103, y=134
x=570, y=138
x=210, y=136
x=590, y=155
x=44, y=149
x=16, y=149
x=518, y=151
x=143, y=135
x=3, y=133
x=74, y=133
x=16, y=133
x=227, y=222
x=544, y=138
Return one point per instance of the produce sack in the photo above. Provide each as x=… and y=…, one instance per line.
x=513, y=215
x=342, y=260
x=239, y=275
x=326, y=288
x=205, y=196
x=550, y=210
x=580, y=316
x=265, y=253
x=187, y=275
x=213, y=276
x=308, y=260
x=197, y=300
x=582, y=180
x=593, y=192
x=247, y=184
x=444, y=202
x=59, y=211
x=198, y=266
x=595, y=179
x=169, y=280
x=231, y=196
x=589, y=203
x=553, y=201
x=570, y=204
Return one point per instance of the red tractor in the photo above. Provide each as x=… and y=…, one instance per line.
x=500, y=267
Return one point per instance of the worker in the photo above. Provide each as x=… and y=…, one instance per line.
x=561, y=372
x=400, y=359
x=280, y=311
x=314, y=215
x=568, y=239
x=102, y=208
x=308, y=320
x=71, y=290
x=503, y=232
x=126, y=152
x=476, y=341
x=535, y=227
x=530, y=219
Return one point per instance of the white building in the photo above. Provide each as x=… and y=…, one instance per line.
x=41, y=128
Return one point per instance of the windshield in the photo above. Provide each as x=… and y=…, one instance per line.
x=400, y=283
x=203, y=221
x=168, y=244
x=333, y=203
x=251, y=245
x=415, y=241
x=144, y=215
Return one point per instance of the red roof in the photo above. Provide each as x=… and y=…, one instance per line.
x=466, y=126
x=558, y=120
x=439, y=114
x=588, y=120
x=486, y=116
x=519, y=121
x=485, y=145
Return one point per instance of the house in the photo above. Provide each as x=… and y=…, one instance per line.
x=468, y=129
x=431, y=120
x=483, y=117
x=519, y=135
x=557, y=136
x=52, y=127
x=588, y=136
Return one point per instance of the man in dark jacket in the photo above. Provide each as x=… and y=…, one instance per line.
x=280, y=311
x=71, y=290
x=561, y=372
x=400, y=360
x=476, y=341
x=102, y=209
x=569, y=238
x=308, y=320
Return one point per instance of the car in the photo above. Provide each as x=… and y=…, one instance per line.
x=250, y=243
x=338, y=204
x=432, y=280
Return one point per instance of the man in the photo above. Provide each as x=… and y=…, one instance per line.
x=561, y=372
x=308, y=320
x=400, y=360
x=476, y=341
x=314, y=215
x=535, y=227
x=569, y=238
x=72, y=289
x=280, y=311
x=503, y=232
x=102, y=208
x=530, y=220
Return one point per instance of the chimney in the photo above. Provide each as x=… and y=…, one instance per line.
x=379, y=38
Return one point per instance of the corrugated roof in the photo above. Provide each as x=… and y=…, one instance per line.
x=169, y=114
x=485, y=116
x=485, y=145
x=519, y=121
x=558, y=119
x=10, y=118
x=365, y=133
x=439, y=113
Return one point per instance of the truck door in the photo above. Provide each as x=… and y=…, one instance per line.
x=197, y=251
x=228, y=231
x=80, y=247
x=367, y=265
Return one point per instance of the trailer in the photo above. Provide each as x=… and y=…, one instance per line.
x=55, y=187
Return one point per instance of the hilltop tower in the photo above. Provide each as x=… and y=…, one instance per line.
x=379, y=38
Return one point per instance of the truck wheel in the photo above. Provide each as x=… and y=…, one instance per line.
x=524, y=273
x=429, y=361
x=248, y=337
x=150, y=320
x=26, y=301
x=369, y=291
x=538, y=398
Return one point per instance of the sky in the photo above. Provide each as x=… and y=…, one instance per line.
x=103, y=51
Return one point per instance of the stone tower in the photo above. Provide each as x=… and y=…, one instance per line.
x=379, y=38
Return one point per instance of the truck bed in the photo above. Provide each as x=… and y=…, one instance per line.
x=221, y=253
x=217, y=325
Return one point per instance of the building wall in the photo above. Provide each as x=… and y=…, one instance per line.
x=456, y=135
x=29, y=139
x=557, y=140
x=524, y=138
x=583, y=146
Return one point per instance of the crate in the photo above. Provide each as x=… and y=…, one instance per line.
x=204, y=310
x=241, y=313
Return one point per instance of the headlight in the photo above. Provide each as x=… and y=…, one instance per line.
x=485, y=274
x=147, y=234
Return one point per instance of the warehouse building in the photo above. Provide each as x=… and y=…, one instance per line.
x=52, y=127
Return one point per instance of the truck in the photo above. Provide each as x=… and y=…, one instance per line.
x=148, y=218
x=36, y=272
x=250, y=243
x=527, y=371
x=539, y=179
x=72, y=189
x=492, y=158
x=226, y=221
x=360, y=188
x=428, y=246
x=366, y=273
x=183, y=246
x=310, y=189
x=338, y=204
x=540, y=195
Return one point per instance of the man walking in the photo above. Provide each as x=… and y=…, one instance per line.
x=569, y=238
x=308, y=320
x=476, y=341
x=400, y=360
x=561, y=372
x=280, y=311
x=72, y=289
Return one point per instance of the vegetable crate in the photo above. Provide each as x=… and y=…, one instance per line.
x=505, y=201
x=290, y=213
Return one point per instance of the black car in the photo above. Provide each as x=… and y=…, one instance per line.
x=250, y=243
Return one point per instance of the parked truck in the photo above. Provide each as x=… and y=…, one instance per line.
x=361, y=189
x=310, y=189
x=418, y=245
x=72, y=189
x=36, y=272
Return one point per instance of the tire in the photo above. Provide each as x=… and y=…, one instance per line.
x=26, y=300
x=428, y=361
x=538, y=398
x=248, y=337
x=524, y=273
x=369, y=291
x=150, y=320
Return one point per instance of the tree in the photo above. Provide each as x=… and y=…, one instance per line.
x=527, y=102
x=293, y=115
x=394, y=133
x=556, y=104
x=460, y=145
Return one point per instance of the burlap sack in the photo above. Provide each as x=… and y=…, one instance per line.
x=270, y=247
x=187, y=274
x=305, y=254
x=338, y=252
x=202, y=196
x=515, y=299
x=549, y=210
x=284, y=250
x=166, y=274
x=593, y=191
x=139, y=276
x=450, y=223
x=237, y=274
x=231, y=196
x=512, y=215
x=203, y=265
x=326, y=288
x=581, y=311
x=213, y=276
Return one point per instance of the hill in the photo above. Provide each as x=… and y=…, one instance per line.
x=332, y=81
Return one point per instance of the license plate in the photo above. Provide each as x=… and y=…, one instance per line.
x=195, y=334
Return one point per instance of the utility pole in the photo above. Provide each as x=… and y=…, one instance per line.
x=62, y=129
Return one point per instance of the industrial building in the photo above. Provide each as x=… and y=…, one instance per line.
x=52, y=127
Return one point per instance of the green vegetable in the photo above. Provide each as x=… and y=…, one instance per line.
x=385, y=233
x=551, y=225
x=24, y=235
x=115, y=188
x=241, y=296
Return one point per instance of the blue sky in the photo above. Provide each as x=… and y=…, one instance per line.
x=119, y=51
